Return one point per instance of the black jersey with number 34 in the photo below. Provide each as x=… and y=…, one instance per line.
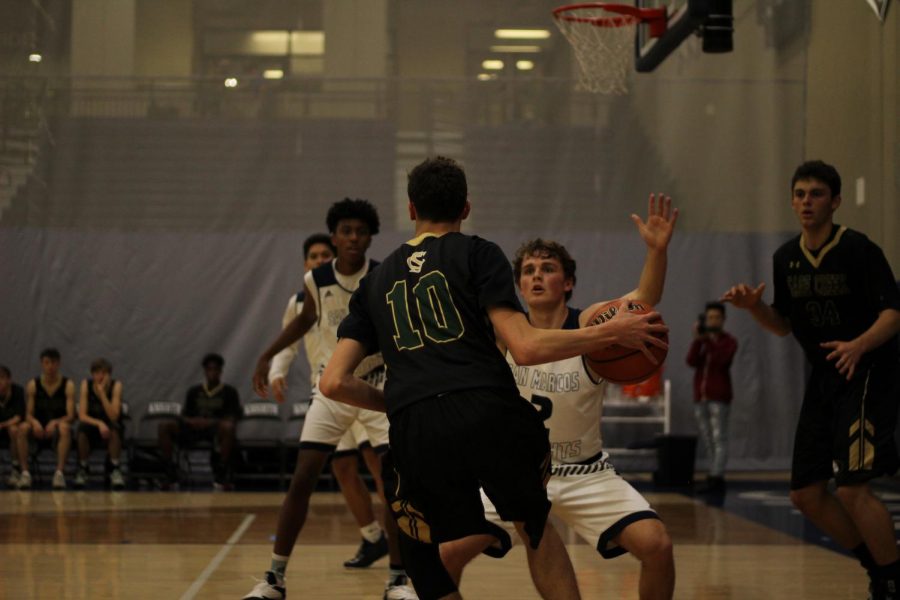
x=834, y=294
x=425, y=310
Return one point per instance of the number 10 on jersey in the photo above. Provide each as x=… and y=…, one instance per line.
x=437, y=313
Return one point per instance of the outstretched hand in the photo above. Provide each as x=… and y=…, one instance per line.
x=657, y=230
x=744, y=296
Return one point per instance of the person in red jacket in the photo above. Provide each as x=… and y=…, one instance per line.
x=710, y=355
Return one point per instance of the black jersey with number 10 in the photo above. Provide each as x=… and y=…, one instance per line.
x=836, y=293
x=425, y=310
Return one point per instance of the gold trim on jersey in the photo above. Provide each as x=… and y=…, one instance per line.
x=422, y=237
x=815, y=261
x=212, y=392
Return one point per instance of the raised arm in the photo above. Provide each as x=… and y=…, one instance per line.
x=531, y=346
x=656, y=233
x=750, y=299
x=338, y=382
x=114, y=405
x=295, y=330
x=83, y=415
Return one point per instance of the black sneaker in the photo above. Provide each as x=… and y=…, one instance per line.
x=368, y=553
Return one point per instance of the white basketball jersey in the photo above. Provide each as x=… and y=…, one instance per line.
x=570, y=401
x=332, y=292
x=312, y=344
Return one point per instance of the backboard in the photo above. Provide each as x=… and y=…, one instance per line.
x=711, y=19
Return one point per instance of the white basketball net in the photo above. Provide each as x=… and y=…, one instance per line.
x=604, y=45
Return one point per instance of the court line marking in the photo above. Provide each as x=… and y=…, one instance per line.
x=218, y=558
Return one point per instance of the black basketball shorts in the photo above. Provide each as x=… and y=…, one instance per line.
x=93, y=432
x=445, y=448
x=846, y=428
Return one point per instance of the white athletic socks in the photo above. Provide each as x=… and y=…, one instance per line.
x=279, y=564
x=371, y=532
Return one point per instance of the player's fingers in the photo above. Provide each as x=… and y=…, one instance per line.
x=851, y=372
x=651, y=205
x=759, y=289
x=829, y=344
x=657, y=328
x=658, y=342
x=674, y=216
x=637, y=221
x=649, y=355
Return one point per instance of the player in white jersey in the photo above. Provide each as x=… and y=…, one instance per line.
x=317, y=250
x=328, y=288
x=584, y=488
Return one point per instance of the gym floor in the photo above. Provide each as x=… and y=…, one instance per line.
x=749, y=544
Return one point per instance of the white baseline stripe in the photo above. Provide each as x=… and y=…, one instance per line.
x=218, y=558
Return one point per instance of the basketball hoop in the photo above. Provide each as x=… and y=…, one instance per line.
x=603, y=35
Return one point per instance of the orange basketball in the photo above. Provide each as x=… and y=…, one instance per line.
x=619, y=364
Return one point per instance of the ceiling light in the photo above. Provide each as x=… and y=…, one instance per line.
x=518, y=49
x=273, y=74
x=522, y=34
x=231, y=82
x=487, y=76
x=524, y=65
x=492, y=65
x=35, y=58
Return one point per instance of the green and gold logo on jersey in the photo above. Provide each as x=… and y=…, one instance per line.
x=416, y=261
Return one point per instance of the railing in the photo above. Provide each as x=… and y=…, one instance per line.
x=415, y=104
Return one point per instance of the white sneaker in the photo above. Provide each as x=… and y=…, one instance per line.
x=81, y=478
x=59, y=481
x=25, y=480
x=116, y=480
x=12, y=480
x=271, y=588
x=398, y=588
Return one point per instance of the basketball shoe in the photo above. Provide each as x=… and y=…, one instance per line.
x=368, y=553
x=59, y=481
x=271, y=588
x=398, y=588
x=116, y=480
x=81, y=477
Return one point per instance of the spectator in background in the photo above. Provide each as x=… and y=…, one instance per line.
x=710, y=355
x=50, y=404
x=99, y=414
x=210, y=412
x=12, y=417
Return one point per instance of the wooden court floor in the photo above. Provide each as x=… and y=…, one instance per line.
x=155, y=545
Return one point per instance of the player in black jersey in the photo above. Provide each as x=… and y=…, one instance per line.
x=100, y=422
x=12, y=415
x=835, y=291
x=50, y=405
x=457, y=420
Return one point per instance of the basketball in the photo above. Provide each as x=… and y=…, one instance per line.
x=619, y=364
